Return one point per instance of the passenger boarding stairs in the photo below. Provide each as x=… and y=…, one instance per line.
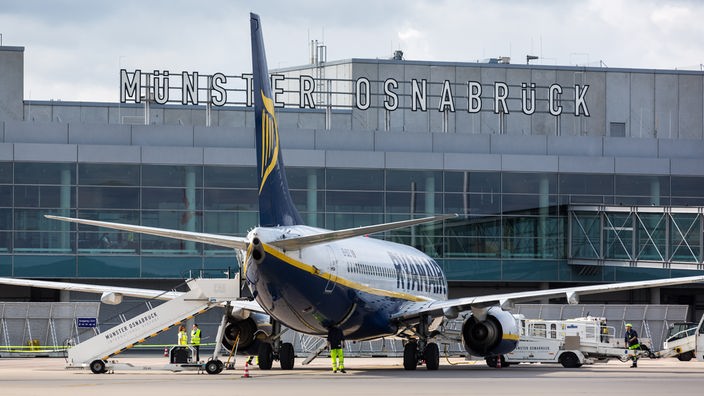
x=203, y=295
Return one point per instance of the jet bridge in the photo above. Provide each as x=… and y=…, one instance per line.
x=666, y=237
x=203, y=295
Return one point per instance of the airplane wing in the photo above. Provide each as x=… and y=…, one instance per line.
x=413, y=310
x=212, y=239
x=301, y=242
x=88, y=288
x=124, y=291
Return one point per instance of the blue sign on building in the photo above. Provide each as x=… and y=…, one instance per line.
x=86, y=322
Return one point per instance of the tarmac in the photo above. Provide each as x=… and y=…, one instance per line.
x=364, y=377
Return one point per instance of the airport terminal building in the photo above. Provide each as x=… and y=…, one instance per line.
x=560, y=175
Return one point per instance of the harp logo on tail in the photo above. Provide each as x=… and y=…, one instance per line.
x=270, y=140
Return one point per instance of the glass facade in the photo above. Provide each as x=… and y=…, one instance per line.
x=512, y=225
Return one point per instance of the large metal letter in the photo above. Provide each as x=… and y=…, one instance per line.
x=391, y=96
x=418, y=95
x=553, y=96
x=247, y=77
x=306, y=87
x=189, y=88
x=362, y=81
x=474, y=100
x=218, y=94
x=446, y=97
x=161, y=92
x=130, y=89
x=524, y=98
x=579, y=101
x=500, y=95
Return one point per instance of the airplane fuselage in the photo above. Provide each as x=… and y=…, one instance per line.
x=355, y=284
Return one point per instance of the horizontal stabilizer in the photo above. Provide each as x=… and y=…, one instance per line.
x=211, y=239
x=301, y=242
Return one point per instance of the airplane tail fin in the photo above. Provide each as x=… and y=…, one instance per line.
x=275, y=204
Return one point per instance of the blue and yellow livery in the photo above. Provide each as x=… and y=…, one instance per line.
x=276, y=207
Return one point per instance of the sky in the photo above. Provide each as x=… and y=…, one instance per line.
x=74, y=49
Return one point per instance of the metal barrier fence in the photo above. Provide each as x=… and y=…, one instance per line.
x=650, y=321
x=41, y=329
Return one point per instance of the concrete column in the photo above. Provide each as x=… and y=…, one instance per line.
x=65, y=205
x=651, y=222
x=64, y=296
x=312, y=198
x=190, y=183
x=655, y=295
x=544, y=286
x=430, y=209
x=430, y=195
x=544, y=204
x=12, y=83
x=655, y=191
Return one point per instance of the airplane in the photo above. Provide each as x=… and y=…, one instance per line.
x=309, y=279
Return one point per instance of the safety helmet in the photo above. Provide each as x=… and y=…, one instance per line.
x=629, y=325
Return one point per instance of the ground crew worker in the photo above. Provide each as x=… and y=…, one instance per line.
x=604, y=331
x=195, y=340
x=336, y=341
x=182, y=336
x=631, y=338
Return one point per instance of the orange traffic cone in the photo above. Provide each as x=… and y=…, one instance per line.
x=166, y=351
x=498, y=361
x=246, y=370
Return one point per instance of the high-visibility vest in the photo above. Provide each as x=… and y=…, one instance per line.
x=182, y=338
x=195, y=336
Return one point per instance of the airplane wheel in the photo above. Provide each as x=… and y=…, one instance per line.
x=214, y=367
x=569, y=360
x=685, y=357
x=410, y=356
x=431, y=354
x=286, y=356
x=97, y=366
x=265, y=356
x=490, y=361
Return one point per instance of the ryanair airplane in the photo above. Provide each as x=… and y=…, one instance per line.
x=311, y=279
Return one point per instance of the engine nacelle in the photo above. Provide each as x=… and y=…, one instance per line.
x=250, y=330
x=111, y=298
x=497, y=335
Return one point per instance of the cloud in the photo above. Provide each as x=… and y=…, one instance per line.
x=81, y=43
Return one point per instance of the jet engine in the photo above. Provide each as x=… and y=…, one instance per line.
x=496, y=335
x=250, y=331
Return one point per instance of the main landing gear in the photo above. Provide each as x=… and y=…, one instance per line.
x=419, y=351
x=413, y=355
x=276, y=350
